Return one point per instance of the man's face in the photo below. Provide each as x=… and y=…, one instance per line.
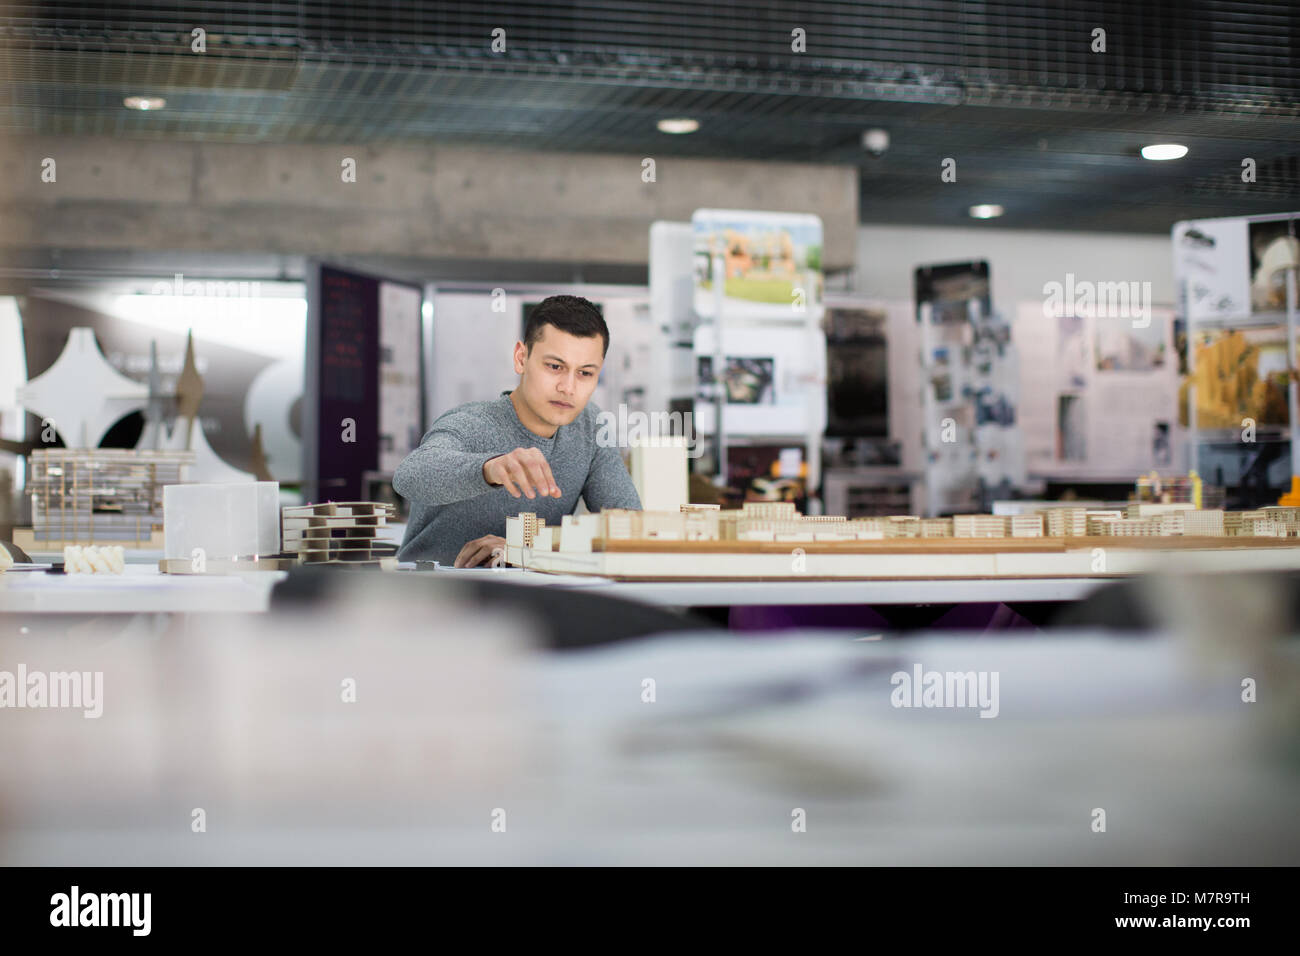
x=559, y=374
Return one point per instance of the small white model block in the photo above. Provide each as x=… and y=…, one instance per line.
x=978, y=526
x=577, y=532
x=514, y=532
x=659, y=472
x=662, y=525
x=1204, y=523
x=902, y=526
x=702, y=525
x=1171, y=522
x=936, y=528
x=772, y=510
x=527, y=527
x=1129, y=527
x=1066, y=522
x=223, y=521
x=1027, y=526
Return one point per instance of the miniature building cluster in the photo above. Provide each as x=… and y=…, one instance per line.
x=779, y=521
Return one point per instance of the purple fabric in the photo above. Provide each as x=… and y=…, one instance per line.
x=864, y=617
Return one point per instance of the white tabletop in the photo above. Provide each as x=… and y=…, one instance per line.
x=140, y=589
x=750, y=593
x=753, y=593
x=143, y=589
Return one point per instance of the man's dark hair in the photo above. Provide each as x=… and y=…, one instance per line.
x=568, y=313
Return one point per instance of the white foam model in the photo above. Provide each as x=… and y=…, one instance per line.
x=659, y=472
x=81, y=393
x=94, y=559
x=225, y=520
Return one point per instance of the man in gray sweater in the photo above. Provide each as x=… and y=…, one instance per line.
x=532, y=449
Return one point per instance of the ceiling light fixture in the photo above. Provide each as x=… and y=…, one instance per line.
x=1164, y=151
x=986, y=211
x=144, y=102
x=678, y=125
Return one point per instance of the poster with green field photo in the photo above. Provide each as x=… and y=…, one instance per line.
x=771, y=263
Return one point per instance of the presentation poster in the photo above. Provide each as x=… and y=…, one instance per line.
x=772, y=264
x=1234, y=269
x=1099, y=393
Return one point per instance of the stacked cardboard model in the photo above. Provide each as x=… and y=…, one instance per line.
x=339, y=532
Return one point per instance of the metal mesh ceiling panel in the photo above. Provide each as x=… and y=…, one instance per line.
x=1037, y=121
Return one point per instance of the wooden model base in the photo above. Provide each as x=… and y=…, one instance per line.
x=26, y=539
x=186, y=566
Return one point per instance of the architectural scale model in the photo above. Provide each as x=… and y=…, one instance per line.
x=92, y=559
x=771, y=540
x=339, y=532
x=114, y=496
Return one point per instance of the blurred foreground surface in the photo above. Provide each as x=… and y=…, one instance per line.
x=370, y=727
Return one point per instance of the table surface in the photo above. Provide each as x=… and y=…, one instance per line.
x=143, y=589
x=753, y=593
x=140, y=589
x=741, y=732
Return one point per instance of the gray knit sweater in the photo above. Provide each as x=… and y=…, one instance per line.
x=451, y=504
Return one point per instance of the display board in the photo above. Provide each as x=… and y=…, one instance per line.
x=772, y=263
x=1099, y=392
x=363, y=397
x=774, y=380
x=969, y=391
x=1232, y=269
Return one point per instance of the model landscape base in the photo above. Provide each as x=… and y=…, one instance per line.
x=770, y=541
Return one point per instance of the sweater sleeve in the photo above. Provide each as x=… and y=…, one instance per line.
x=608, y=483
x=442, y=471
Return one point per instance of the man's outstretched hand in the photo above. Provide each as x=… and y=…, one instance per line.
x=489, y=549
x=524, y=470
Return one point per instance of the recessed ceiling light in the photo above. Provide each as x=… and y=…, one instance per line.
x=1164, y=151
x=678, y=125
x=144, y=102
x=986, y=211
